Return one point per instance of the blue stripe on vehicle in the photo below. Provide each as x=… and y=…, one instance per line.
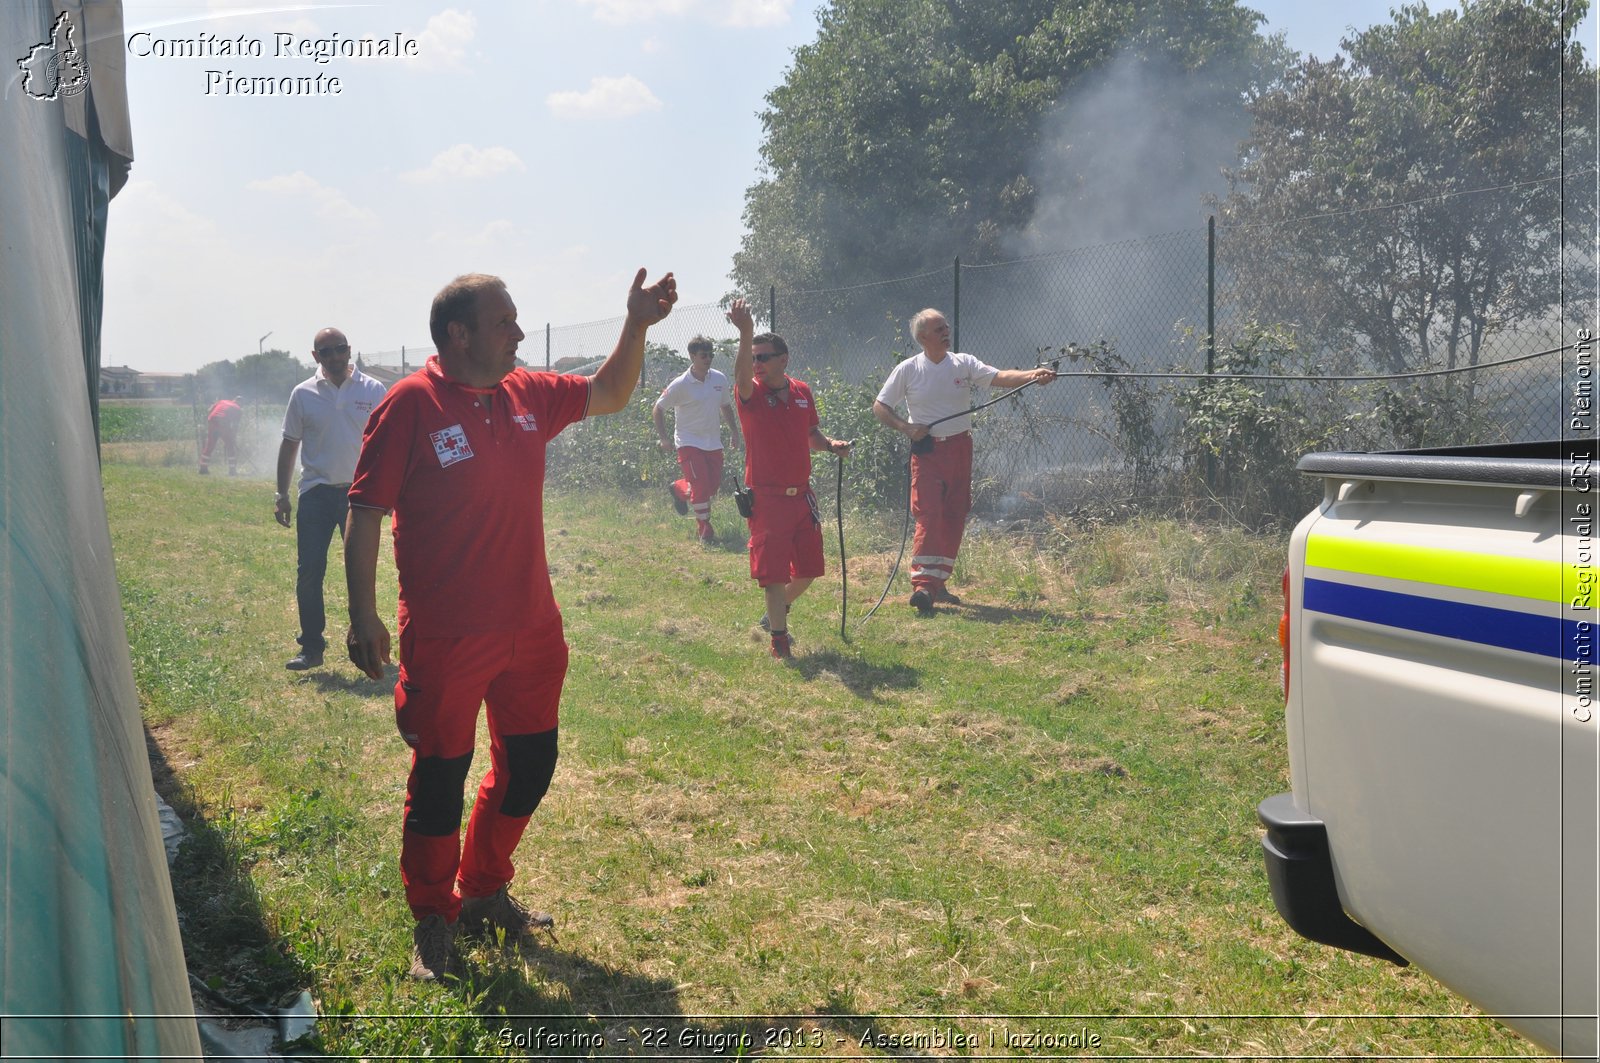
x=1547, y=636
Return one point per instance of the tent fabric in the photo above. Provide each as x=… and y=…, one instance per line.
x=91, y=963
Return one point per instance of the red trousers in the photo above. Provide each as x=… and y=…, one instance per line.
x=443, y=682
x=941, y=498
x=702, y=475
x=228, y=432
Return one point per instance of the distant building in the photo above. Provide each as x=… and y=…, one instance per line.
x=387, y=375
x=121, y=382
x=165, y=385
x=118, y=381
x=574, y=363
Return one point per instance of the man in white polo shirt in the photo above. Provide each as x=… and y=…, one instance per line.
x=933, y=384
x=696, y=399
x=325, y=416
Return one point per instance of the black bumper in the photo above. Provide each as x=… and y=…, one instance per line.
x=1300, y=871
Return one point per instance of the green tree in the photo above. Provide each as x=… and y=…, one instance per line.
x=270, y=376
x=903, y=135
x=1421, y=113
x=216, y=380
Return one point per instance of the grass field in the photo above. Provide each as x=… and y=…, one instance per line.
x=1022, y=827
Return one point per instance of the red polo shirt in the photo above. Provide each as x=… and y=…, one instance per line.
x=777, y=435
x=463, y=471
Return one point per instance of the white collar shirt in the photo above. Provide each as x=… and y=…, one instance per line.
x=327, y=421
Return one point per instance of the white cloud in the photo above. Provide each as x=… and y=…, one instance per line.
x=740, y=14
x=621, y=12
x=145, y=212
x=606, y=98
x=442, y=44
x=331, y=203
x=497, y=232
x=465, y=162
x=754, y=14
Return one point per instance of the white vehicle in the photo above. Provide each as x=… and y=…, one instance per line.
x=1439, y=660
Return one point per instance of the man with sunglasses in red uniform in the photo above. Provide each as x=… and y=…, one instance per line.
x=457, y=452
x=779, y=420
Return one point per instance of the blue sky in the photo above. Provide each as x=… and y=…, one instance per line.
x=558, y=143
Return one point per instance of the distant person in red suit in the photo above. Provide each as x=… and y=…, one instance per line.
x=223, y=423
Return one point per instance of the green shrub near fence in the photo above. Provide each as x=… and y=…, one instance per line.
x=144, y=423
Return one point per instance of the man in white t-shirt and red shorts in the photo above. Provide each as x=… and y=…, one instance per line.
x=697, y=398
x=933, y=384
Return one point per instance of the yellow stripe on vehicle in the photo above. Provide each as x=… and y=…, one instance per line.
x=1523, y=577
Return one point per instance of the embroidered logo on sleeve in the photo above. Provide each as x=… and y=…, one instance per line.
x=451, y=445
x=525, y=422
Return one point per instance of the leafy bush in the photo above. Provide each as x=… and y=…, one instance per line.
x=875, y=471
x=619, y=451
x=1240, y=439
x=145, y=423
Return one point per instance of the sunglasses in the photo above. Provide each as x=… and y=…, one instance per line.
x=768, y=356
x=343, y=348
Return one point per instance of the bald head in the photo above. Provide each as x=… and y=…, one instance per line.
x=332, y=351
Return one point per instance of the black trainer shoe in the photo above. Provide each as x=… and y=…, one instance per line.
x=304, y=660
x=921, y=602
x=780, y=645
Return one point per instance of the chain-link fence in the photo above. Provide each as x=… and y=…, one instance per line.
x=1366, y=350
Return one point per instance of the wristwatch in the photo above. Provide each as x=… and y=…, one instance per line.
x=281, y=497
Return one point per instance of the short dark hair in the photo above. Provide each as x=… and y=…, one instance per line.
x=700, y=345
x=458, y=301
x=773, y=340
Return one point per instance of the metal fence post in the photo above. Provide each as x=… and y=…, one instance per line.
x=547, y=346
x=772, y=308
x=955, y=313
x=1211, y=327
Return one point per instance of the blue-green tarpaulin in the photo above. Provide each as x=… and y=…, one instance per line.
x=91, y=964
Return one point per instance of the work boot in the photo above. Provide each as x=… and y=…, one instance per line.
x=705, y=533
x=944, y=597
x=922, y=602
x=433, y=949
x=480, y=916
x=679, y=501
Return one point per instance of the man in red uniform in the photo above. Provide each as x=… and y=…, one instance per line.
x=779, y=419
x=457, y=452
x=222, y=422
